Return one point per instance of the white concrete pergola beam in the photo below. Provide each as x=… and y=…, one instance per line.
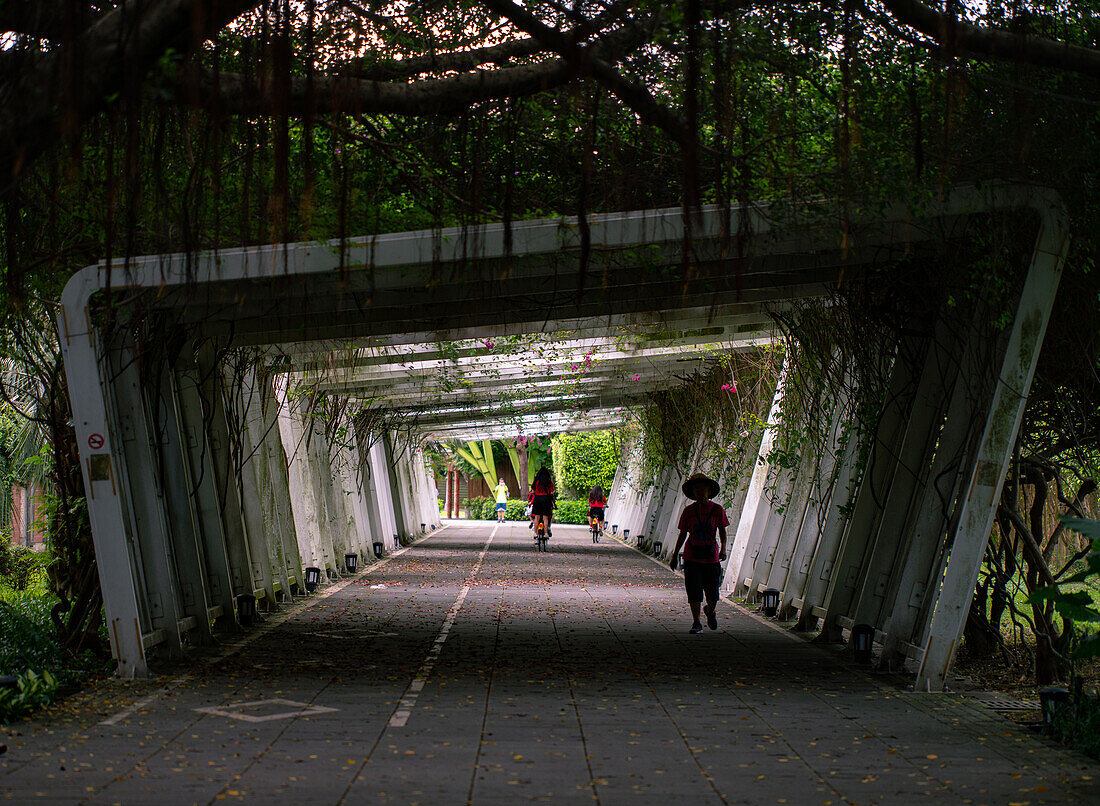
x=603, y=336
x=454, y=377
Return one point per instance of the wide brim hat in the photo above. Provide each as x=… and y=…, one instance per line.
x=712, y=485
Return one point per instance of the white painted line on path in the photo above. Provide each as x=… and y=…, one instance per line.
x=407, y=702
x=269, y=624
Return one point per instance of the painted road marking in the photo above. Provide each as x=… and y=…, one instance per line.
x=268, y=625
x=407, y=702
x=299, y=709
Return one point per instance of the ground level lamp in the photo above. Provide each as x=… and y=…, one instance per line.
x=863, y=638
x=378, y=549
x=658, y=546
x=1052, y=699
x=614, y=528
x=351, y=562
x=313, y=578
x=771, y=602
x=423, y=527
x=626, y=534
x=246, y=609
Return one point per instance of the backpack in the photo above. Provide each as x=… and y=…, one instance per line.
x=703, y=533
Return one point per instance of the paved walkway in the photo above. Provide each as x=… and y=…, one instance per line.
x=470, y=669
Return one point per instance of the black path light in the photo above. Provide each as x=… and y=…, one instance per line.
x=626, y=534
x=7, y=681
x=863, y=638
x=351, y=562
x=771, y=602
x=423, y=527
x=378, y=549
x=658, y=546
x=614, y=528
x=1052, y=699
x=313, y=578
x=246, y=609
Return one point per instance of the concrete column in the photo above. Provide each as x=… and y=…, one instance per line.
x=835, y=503
x=874, y=487
x=396, y=498
x=99, y=436
x=748, y=522
x=151, y=537
x=782, y=547
x=994, y=453
x=224, y=463
x=329, y=504
x=889, y=545
x=173, y=477
x=303, y=501
x=200, y=479
x=279, y=489
x=808, y=528
x=255, y=483
x=937, y=501
x=382, y=492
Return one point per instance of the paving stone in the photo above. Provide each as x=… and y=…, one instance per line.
x=566, y=677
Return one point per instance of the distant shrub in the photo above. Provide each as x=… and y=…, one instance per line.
x=19, y=565
x=584, y=460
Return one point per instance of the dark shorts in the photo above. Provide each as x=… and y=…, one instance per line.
x=596, y=512
x=701, y=580
x=501, y=506
x=543, y=505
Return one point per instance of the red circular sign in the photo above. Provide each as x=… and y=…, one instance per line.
x=95, y=441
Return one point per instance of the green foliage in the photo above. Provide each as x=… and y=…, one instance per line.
x=32, y=691
x=1078, y=725
x=1078, y=605
x=20, y=567
x=572, y=511
x=584, y=460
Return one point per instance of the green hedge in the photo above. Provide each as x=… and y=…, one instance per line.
x=20, y=567
x=485, y=509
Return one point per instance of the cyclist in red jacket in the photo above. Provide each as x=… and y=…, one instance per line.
x=542, y=499
x=596, y=503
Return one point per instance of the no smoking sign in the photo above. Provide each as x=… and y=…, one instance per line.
x=95, y=441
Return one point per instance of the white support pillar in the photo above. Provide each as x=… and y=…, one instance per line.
x=808, y=529
x=933, y=509
x=382, y=492
x=255, y=484
x=279, y=491
x=151, y=535
x=303, y=499
x=995, y=450
x=748, y=523
x=890, y=543
x=198, y=475
x=786, y=539
x=180, y=506
x=835, y=502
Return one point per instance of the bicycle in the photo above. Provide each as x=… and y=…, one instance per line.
x=540, y=536
x=594, y=527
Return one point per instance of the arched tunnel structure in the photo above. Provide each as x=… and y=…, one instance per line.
x=211, y=474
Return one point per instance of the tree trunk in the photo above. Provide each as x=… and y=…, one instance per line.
x=447, y=495
x=521, y=455
x=981, y=640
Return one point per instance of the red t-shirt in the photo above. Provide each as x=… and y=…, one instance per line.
x=596, y=502
x=543, y=489
x=711, y=516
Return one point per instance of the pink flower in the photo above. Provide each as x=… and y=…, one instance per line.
x=488, y=343
x=635, y=377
